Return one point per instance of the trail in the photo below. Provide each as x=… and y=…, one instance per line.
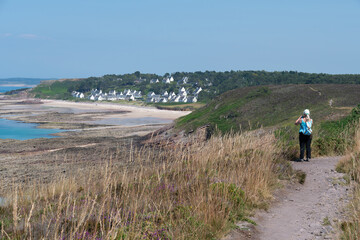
x=308, y=211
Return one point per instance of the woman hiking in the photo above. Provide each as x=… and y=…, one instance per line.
x=305, y=136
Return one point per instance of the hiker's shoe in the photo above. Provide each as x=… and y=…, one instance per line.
x=307, y=160
x=300, y=160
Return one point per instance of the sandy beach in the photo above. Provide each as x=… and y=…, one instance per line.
x=132, y=110
x=94, y=128
x=86, y=113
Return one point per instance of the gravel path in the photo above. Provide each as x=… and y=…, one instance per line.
x=309, y=211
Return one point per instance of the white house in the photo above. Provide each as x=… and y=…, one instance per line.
x=120, y=96
x=154, y=80
x=154, y=98
x=197, y=91
x=101, y=97
x=177, y=99
x=182, y=92
x=137, y=94
x=130, y=97
x=150, y=94
x=127, y=91
x=193, y=99
x=76, y=94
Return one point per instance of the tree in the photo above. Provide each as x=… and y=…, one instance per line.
x=137, y=74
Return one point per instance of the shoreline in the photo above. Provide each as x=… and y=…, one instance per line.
x=81, y=145
x=80, y=115
x=134, y=111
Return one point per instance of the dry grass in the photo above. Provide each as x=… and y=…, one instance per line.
x=351, y=165
x=195, y=191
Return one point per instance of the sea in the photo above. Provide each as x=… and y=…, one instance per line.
x=8, y=84
x=9, y=88
x=10, y=129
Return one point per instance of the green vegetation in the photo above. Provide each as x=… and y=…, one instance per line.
x=178, y=106
x=301, y=176
x=223, y=113
x=278, y=107
x=326, y=221
x=54, y=89
x=213, y=83
x=196, y=190
x=16, y=91
x=269, y=106
x=336, y=137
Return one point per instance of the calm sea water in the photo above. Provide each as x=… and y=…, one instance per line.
x=23, y=131
x=8, y=88
x=8, y=84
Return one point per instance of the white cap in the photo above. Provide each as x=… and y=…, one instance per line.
x=306, y=112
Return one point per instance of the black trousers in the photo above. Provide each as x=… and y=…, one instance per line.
x=305, y=141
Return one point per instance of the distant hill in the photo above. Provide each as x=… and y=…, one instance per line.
x=275, y=105
x=213, y=83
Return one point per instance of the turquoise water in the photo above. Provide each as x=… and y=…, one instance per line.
x=23, y=131
x=8, y=88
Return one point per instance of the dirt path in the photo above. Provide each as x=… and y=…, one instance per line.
x=309, y=211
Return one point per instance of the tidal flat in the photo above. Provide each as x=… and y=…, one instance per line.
x=94, y=133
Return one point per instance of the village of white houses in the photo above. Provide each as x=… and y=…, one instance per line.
x=182, y=96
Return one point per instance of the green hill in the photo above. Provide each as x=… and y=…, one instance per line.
x=279, y=105
x=55, y=89
x=213, y=83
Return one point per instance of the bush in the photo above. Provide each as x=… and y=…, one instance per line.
x=337, y=137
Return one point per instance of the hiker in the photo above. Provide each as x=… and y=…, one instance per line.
x=305, y=136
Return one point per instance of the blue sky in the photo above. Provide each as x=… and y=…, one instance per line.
x=81, y=38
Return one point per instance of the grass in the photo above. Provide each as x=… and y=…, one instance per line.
x=53, y=89
x=301, y=176
x=272, y=106
x=122, y=102
x=196, y=191
x=179, y=106
x=350, y=164
x=276, y=107
x=222, y=113
x=326, y=221
x=337, y=137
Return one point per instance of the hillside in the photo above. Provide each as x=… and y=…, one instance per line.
x=213, y=83
x=54, y=89
x=188, y=189
x=280, y=105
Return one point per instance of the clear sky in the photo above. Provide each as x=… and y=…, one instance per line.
x=81, y=38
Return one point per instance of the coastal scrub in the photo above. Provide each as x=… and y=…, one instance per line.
x=193, y=191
